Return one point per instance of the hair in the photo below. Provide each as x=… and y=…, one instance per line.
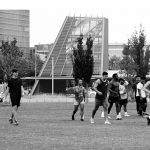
x=14, y=70
x=114, y=75
x=105, y=73
x=143, y=78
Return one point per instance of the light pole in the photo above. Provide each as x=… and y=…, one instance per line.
x=35, y=64
x=52, y=76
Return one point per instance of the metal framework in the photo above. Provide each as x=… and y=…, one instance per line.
x=70, y=30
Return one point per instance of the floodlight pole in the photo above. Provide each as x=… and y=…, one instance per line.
x=52, y=76
x=35, y=65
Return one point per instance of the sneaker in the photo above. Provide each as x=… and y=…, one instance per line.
x=92, y=120
x=126, y=114
x=118, y=117
x=109, y=117
x=102, y=114
x=10, y=121
x=107, y=122
x=16, y=123
x=82, y=119
x=72, y=117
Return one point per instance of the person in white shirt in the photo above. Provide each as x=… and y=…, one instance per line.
x=123, y=95
x=142, y=94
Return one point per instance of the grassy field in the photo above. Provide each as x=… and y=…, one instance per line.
x=48, y=126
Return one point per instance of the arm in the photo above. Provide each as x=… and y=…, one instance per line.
x=146, y=86
x=22, y=91
x=95, y=87
x=6, y=92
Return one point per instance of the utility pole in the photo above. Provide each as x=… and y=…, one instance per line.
x=52, y=76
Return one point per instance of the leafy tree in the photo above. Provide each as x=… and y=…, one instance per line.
x=135, y=58
x=114, y=63
x=11, y=56
x=82, y=60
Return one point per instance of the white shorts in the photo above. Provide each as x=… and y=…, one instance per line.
x=77, y=103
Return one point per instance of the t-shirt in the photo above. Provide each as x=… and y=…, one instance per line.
x=123, y=91
x=79, y=92
x=14, y=85
x=139, y=87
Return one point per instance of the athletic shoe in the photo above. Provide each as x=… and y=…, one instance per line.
x=92, y=120
x=102, y=114
x=109, y=117
x=82, y=119
x=10, y=121
x=16, y=123
x=126, y=114
x=118, y=117
x=72, y=117
x=107, y=122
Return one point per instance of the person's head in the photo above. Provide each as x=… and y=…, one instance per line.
x=115, y=76
x=105, y=75
x=137, y=79
x=80, y=82
x=14, y=73
x=121, y=81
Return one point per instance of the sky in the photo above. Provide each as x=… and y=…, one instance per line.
x=47, y=16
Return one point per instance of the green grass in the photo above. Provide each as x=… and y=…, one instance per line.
x=48, y=126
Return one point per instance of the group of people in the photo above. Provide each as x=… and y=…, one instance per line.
x=108, y=93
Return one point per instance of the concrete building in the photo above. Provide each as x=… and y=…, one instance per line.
x=15, y=24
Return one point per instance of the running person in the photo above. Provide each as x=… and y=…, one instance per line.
x=114, y=95
x=101, y=89
x=15, y=88
x=123, y=95
x=79, y=92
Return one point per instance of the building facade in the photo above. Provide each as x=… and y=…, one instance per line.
x=15, y=24
x=71, y=29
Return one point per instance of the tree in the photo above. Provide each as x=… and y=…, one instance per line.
x=114, y=63
x=82, y=60
x=135, y=57
x=11, y=56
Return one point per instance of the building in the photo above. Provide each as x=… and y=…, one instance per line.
x=115, y=49
x=62, y=68
x=15, y=24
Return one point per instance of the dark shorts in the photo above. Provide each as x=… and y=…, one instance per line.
x=101, y=102
x=123, y=101
x=112, y=99
x=15, y=100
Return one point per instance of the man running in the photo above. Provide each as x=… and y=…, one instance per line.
x=101, y=89
x=114, y=96
x=79, y=92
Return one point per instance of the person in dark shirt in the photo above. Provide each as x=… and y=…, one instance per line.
x=114, y=95
x=101, y=89
x=15, y=89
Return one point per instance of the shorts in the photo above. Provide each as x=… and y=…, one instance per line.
x=15, y=100
x=77, y=103
x=123, y=101
x=101, y=102
x=112, y=99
